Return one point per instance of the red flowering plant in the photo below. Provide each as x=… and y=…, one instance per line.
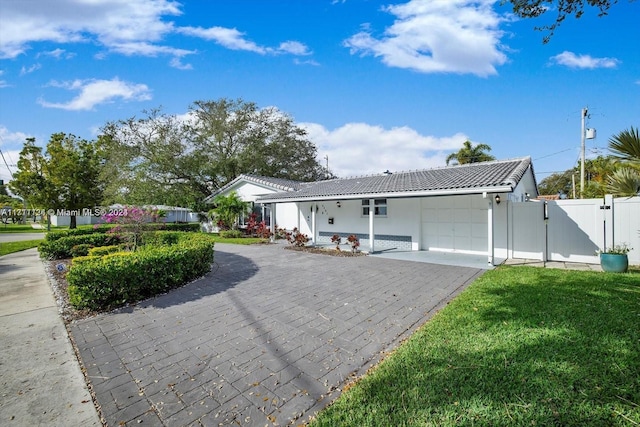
x=337, y=240
x=354, y=242
x=296, y=238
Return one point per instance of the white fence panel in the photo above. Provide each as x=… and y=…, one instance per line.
x=528, y=233
x=575, y=230
x=626, y=225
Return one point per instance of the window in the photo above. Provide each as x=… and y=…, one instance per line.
x=379, y=207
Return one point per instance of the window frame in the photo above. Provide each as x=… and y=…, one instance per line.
x=379, y=205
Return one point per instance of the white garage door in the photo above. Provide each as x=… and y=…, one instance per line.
x=455, y=223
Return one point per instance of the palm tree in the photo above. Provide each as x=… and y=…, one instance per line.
x=625, y=147
x=470, y=154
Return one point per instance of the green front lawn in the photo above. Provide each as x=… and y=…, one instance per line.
x=11, y=247
x=521, y=346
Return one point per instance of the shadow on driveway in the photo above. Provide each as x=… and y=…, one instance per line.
x=270, y=336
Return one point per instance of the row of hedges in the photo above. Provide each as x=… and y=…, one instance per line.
x=103, y=228
x=103, y=282
x=63, y=247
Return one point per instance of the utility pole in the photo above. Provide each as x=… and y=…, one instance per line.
x=582, y=136
x=326, y=157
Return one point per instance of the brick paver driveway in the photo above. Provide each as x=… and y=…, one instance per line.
x=268, y=337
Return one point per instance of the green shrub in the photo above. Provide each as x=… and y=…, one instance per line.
x=103, y=228
x=80, y=250
x=105, y=250
x=55, y=235
x=231, y=234
x=127, y=277
x=161, y=237
x=62, y=247
x=192, y=226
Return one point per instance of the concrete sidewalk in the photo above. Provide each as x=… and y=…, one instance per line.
x=42, y=384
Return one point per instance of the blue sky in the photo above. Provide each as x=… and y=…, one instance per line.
x=378, y=85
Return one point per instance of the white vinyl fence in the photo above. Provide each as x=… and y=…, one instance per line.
x=574, y=230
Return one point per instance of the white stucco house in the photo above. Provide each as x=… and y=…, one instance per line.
x=456, y=209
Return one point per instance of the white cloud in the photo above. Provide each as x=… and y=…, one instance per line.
x=233, y=39
x=111, y=23
x=127, y=27
x=438, y=36
x=3, y=83
x=95, y=92
x=571, y=60
x=57, y=54
x=11, y=145
x=360, y=148
x=294, y=48
x=24, y=70
x=230, y=38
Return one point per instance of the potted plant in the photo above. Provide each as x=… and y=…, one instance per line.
x=615, y=258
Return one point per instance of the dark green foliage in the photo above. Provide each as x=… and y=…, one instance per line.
x=231, y=234
x=63, y=246
x=124, y=277
x=55, y=235
x=103, y=228
x=105, y=250
x=81, y=250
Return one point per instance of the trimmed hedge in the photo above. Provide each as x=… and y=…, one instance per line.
x=63, y=247
x=103, y=228
x=104, y=282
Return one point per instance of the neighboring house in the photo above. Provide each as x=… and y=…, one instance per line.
x=453, y=208
x=250, y=187
x=62, y=217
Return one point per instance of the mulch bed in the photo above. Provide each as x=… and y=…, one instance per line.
x=325, y=251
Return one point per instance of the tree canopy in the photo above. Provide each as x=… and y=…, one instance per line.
x=596, y=173
x=625, y=146
x=66, y=176
x=470, y=154
x=166, y=159
x=562, y=8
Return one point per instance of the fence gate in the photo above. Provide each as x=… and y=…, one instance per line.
x=528, y=231
x=575, y=230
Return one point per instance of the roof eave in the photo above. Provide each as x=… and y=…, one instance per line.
x=394, y=195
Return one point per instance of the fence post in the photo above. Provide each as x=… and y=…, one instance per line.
x=608, y=229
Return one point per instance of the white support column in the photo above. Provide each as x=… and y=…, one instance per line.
x=313, y=223
x=372, y=212
x=490, y=231
x=272, y=221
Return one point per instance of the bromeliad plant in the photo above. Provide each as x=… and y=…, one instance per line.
x=337, y=240
x=296, y=238
x=354, y=242
x=622, y=249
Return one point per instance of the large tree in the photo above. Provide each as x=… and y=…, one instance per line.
x=237, y=137
x=470, y=154
x=165, y=159
x=66, y=176
x=596, y=173
x=155, y=162
x=562, y=9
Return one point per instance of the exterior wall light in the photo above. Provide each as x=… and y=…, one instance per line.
x=338, y=204
x=497, y=199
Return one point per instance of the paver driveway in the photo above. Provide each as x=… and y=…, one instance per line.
x=267, y=338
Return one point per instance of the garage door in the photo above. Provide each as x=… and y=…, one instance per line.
x=455, y=223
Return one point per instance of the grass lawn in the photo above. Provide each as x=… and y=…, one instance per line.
x=521, y=346
x=25, y=228
x=11, y=247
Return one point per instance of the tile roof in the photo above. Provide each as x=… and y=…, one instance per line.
x=498, y=176
x=275, y=183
